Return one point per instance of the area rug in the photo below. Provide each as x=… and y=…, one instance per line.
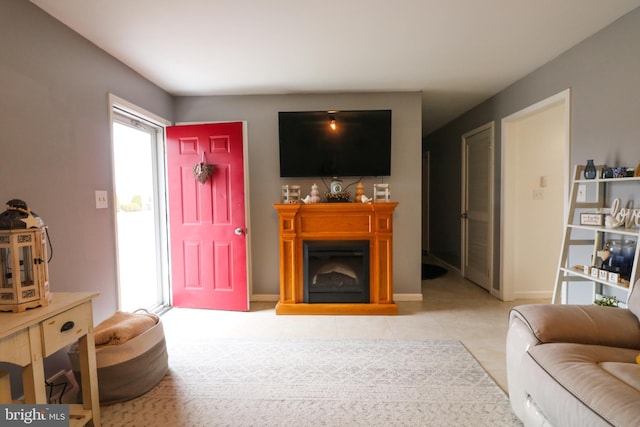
x=432, y=271
x=319, y=383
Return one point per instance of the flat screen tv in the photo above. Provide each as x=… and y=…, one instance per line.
x=360, y=144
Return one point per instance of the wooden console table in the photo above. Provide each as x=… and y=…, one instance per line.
x=27, y=338
x=336, y=221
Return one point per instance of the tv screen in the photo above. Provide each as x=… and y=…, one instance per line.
x=358, y=145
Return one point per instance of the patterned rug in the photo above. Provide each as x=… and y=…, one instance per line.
x=319, y=383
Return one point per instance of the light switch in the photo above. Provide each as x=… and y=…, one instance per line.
x=101, y=199
x=543, y=181
x=538, y=194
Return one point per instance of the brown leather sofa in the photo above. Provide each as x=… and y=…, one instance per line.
x=575, y=365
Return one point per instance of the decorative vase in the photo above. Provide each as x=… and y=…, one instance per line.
x=590, y=170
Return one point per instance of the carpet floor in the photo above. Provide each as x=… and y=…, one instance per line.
x=318, y=382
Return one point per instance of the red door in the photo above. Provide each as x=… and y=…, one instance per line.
x=207, y=221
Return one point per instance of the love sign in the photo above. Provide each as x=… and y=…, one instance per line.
x=622, y=216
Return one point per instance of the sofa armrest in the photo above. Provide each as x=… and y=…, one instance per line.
x=519, y=340
x=581, y=324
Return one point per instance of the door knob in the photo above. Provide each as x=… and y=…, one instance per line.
x=464, y=215
x=239, y=231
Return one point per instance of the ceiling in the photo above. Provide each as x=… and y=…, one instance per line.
x=456, y=52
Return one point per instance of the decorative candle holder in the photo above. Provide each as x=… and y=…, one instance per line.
x=290, y=194
x=381, y=193
x=24, y=274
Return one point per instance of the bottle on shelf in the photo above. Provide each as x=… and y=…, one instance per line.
x=590, y=170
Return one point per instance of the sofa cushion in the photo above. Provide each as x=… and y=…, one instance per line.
x=625, y=372
x=578, y=384
x=583, y=324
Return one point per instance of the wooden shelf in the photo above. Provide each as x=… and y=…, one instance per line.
x=622, y=231
x=607, y=180
x=576, y=272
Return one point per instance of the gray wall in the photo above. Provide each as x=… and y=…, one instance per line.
x=603, y=73
x=261, y=114
x=55, y=144
x=55, y=150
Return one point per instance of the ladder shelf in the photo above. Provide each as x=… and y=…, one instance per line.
x=587, y=257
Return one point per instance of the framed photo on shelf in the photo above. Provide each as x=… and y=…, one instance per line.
x=596, y=219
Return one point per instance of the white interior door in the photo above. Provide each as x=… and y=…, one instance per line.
x=477, y=205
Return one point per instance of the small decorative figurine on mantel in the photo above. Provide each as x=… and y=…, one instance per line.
x=359, y=192
x=314, y=197
x=315, y=194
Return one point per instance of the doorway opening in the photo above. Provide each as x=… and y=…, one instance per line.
x=535, y=189
x=140, y=211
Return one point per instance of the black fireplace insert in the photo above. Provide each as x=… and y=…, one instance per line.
x=336, y=271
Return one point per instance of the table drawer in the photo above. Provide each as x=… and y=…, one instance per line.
x=65, y=328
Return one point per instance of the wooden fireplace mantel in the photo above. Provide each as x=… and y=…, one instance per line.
x=336, y=221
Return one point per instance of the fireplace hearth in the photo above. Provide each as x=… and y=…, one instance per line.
x=336, y=271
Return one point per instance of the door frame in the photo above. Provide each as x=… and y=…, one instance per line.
x=426, y=171
x=161, y=123
x=247, y=208
x=463, y=241
x=508, y=187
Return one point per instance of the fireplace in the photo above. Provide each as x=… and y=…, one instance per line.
x=336, y=271
x=344, y=232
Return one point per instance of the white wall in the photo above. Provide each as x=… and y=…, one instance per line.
x=261, y=114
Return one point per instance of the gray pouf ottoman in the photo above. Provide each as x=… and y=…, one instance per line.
x=130, y=363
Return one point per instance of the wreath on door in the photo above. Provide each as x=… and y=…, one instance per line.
x=203, y=171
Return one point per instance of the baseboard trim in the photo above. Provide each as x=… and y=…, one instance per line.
x=265, y=298
x=407, y=297
x=445, y=264
x=533, y=294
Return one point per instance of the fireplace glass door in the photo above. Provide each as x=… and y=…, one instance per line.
x=336, y=271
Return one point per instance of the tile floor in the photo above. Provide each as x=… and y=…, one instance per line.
x=452, y=308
